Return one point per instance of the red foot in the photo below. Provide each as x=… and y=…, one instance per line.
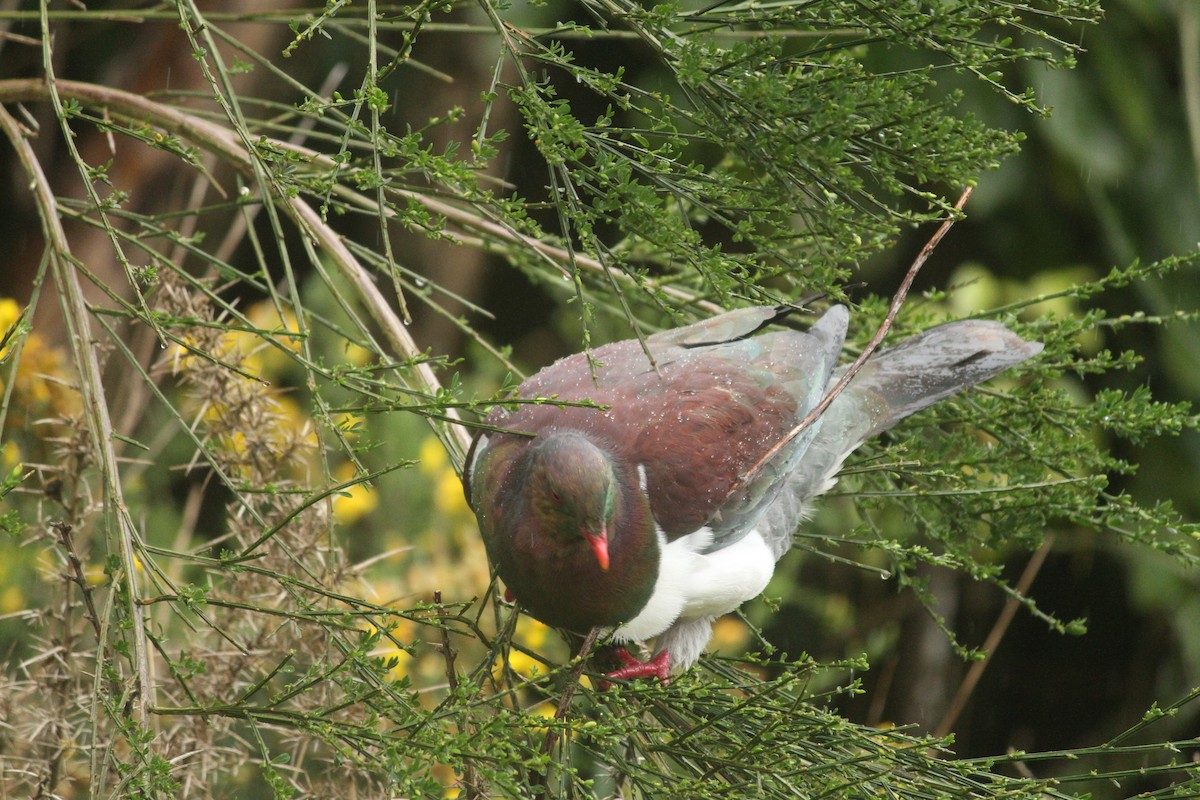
x=657, y=667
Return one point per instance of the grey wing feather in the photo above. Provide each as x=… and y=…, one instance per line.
x=817, y=353
x=725, y=327
x=892, y=385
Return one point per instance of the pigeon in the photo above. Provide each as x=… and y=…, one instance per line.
x=648, y=498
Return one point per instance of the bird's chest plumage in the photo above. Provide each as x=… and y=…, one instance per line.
x=561, y=584
x=553, y=571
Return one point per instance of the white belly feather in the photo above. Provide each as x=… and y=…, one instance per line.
x=694, y=585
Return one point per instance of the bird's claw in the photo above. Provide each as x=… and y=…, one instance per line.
x=657, y=667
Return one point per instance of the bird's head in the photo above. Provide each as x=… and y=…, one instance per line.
x=573, y=490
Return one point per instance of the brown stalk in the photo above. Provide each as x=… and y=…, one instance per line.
x=63, y=531
x=473, y=787
x=91, y=387
x=564, y=702
x=894, y=309
x=995, y=635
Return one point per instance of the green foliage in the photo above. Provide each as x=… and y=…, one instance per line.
x=10, y=521
x=233, y=551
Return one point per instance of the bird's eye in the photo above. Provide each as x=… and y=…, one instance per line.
x=555, y=498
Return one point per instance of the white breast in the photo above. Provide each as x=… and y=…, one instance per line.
x=694, y=585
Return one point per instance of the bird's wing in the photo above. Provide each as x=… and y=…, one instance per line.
x=489, y=461
x=691, y=425
x=729, y=404
x=723, y=328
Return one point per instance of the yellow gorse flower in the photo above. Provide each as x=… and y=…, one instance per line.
x=448, y=495
x=42, y=379
x=10, y=312
x=532, y=635
x=355, y=502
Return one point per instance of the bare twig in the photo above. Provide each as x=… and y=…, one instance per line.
x=1189, y=70
x=99, y=420
x=472, y=785
x=894, y=309
x=63, y=531
x=225, y=144
x=564, y=701
x=995, y=635
x=189, y=126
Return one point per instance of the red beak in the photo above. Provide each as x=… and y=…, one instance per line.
x=599, y=543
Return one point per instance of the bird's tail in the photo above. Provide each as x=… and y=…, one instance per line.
x=922, y=370
x=893, y=384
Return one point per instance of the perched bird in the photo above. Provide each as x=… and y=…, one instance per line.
x=640, y=517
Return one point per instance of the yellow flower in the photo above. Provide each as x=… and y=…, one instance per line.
x=183, y=356
x=350, y=425
x=41, y=385
x=355, y=502
x=290, y=417
x=524, y=665
x=262, y=354
x=545, y=710
x=445, y=774
x=448, y=497
x=532, y=635
x=388, y=649
x=10, y=312
x=11, y=600
x=94, y=575
x=432, y=457
x=10, y=455
x=399, y=659
x=234, y=443
x=729, y=634
x=357, y=354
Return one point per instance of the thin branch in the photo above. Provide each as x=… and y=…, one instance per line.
x=63, y=531
x=215, y=138
x=95, y=403
x=894, y=309
x=471, y=782
x=995, y=635
x=1189, y=51
x=564, y=701
x=225, y=144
